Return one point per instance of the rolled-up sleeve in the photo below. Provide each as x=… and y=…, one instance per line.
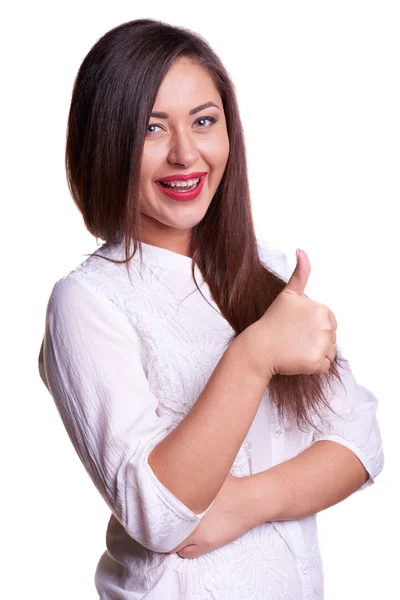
x=356, y=425
x=90, y=363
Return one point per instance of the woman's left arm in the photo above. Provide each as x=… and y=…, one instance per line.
x=323, y=475
x=319, y=477
x=345, y=455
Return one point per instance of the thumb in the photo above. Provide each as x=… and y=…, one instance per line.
x=298, y=281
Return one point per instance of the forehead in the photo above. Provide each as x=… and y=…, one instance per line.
x=185, y=84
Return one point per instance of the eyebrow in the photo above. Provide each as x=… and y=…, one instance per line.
x=164, y=115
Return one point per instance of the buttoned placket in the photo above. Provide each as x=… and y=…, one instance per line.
x=278, y=456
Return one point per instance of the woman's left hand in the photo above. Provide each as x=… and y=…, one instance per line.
x=223, y=523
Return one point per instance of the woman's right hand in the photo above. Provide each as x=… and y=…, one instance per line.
x=296, y=335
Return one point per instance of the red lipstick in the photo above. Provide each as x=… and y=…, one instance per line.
x=191, y=194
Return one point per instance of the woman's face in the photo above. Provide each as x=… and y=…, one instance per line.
x=182, y=143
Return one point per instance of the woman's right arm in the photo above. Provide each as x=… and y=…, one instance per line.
x=90, y=363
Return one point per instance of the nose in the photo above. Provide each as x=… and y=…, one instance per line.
x=182, y=148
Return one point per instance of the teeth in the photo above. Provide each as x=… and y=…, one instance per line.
x=181, y=184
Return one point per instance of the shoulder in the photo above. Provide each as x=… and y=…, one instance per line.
x=71, y=294
x=81, y=318
x=78, y=297
x=95, y=280
x=274, y=259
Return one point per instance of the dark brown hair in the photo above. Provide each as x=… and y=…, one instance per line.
x=113, y=95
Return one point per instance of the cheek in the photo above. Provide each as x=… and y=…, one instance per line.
x=220, y=151
x=151, y=159
x=219, y=157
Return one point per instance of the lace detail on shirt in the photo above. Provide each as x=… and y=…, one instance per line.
x=256, y=566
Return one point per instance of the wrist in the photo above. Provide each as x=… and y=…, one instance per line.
x=251, y=342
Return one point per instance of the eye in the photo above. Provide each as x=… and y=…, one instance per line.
x=211, y=119
x=152, y=125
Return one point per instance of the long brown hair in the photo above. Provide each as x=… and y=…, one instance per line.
x=113, y=95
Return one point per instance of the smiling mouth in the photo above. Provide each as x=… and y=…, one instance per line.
x=180, y=188
x=182, y=193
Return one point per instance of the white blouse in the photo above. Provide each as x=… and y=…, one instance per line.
x=124, y=360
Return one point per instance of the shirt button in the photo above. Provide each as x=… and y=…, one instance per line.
x=278, y=432
x=306, y=568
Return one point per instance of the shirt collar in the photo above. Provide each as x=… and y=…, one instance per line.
x=154, y=255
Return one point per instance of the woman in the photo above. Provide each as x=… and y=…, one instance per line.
x=201, y=388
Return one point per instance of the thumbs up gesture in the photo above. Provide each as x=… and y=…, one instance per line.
x=298, y=281
x=296, y=335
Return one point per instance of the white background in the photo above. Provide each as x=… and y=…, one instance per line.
x=318, y=87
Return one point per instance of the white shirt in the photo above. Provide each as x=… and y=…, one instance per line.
x=124, y=361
